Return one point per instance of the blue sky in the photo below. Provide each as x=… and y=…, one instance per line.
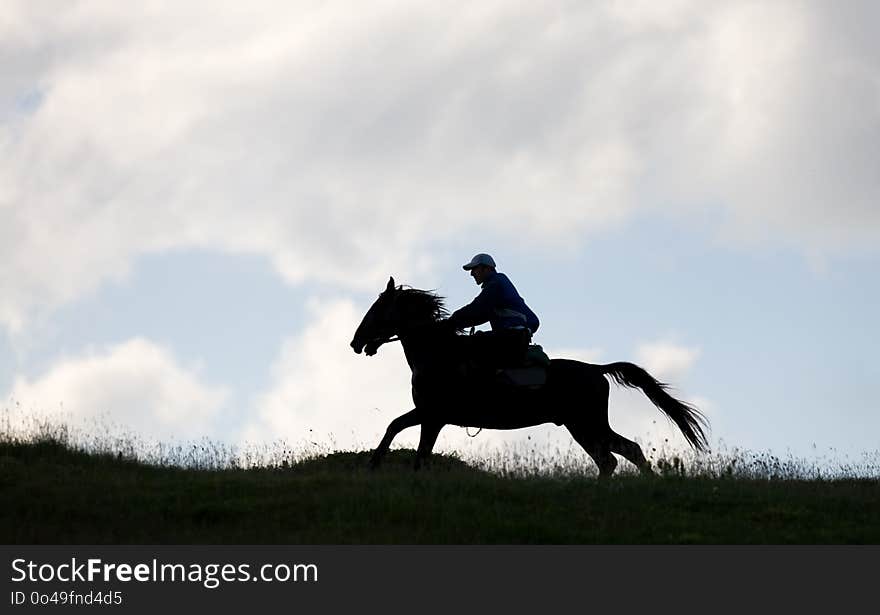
x=194, y=224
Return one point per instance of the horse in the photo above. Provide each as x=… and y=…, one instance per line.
x=575, y=393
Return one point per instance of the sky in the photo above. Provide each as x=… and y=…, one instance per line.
x=199, y=201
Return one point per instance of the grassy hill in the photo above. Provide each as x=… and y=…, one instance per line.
x=50, y=493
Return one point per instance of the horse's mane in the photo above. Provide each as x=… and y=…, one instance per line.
x=424, y=302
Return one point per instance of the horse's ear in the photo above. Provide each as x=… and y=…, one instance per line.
x=390, y=286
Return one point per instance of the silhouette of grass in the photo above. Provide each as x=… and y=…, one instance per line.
x=55, y=488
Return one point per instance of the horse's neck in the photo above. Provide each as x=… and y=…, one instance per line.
x=411, y=353
x=420, y=349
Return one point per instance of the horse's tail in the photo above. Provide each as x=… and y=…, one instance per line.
x=688, y=418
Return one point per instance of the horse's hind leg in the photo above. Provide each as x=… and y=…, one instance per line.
x=405, y=420
x=599, y=448
x=427, y=439
x=592, y=431
x=631, y=451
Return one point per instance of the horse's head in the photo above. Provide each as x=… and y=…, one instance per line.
x=380, y=323
x=398, y=311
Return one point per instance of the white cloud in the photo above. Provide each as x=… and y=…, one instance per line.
x=323, y=392
x=665, y=360
x=137, y=385
x=339, y=141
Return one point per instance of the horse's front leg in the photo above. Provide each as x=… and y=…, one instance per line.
x=405, y=420
x=427, y=439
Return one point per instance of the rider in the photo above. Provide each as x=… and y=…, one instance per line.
x=513, y=323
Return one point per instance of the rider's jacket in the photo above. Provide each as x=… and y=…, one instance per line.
x=499, y=304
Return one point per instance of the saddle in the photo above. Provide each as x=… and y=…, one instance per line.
x=532, y=374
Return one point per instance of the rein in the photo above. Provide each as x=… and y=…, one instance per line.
x=380, y=342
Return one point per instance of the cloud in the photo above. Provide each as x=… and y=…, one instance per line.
x=137, y=386
x=341, y=141
x=665, y=360
x=322, y=392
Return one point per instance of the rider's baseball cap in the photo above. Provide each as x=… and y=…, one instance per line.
x=479, y=259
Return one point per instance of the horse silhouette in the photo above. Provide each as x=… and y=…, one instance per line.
x=575, y=394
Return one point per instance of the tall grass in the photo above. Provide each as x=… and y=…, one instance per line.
x=522, y=460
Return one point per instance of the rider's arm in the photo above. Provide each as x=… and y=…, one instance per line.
x=532, y=320
x=479, y=310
